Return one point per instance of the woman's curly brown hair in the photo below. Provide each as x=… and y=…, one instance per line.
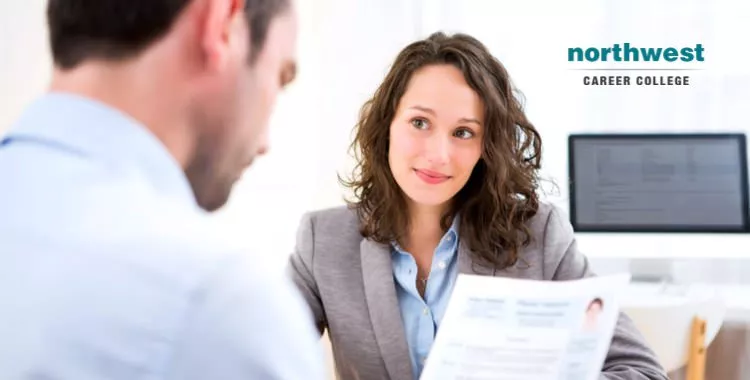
x=501, y=193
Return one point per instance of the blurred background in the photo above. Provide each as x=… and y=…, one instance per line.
x=345, y=49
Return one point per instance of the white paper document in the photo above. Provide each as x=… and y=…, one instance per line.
x=508, y=329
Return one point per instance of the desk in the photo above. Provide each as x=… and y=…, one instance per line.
x=728, y=355
x=736, y=297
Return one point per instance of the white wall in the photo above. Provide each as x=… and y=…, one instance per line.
x=24, y=60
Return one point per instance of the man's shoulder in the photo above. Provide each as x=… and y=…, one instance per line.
x=160, y=234
x=194, y=238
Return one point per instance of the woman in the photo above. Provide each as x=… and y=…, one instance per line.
x=446, y=183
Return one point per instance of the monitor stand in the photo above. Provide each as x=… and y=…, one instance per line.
x=651, y=270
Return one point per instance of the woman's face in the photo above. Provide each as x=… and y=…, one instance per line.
x=436, y=135
x=594, y=309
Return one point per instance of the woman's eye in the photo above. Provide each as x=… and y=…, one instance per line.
x=419, y=123
x=464, y=134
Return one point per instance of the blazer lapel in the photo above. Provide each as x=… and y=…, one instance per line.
x=467, y=265
x=382, y=303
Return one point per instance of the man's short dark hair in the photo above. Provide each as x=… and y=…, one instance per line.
x=120, y=29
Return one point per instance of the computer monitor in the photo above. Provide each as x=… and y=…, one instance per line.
x=658, y=182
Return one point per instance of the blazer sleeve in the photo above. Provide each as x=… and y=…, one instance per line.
x=301, y=270
x=629, y=358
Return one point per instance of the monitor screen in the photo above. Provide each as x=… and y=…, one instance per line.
x=658, y=183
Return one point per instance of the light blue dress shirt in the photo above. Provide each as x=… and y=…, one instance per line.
x=109, y=270
x=422, y=317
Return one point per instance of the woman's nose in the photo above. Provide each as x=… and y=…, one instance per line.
x=438, y=150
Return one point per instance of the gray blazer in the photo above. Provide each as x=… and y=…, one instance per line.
x=348, y=283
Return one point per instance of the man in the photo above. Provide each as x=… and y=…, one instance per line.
x=110, y=264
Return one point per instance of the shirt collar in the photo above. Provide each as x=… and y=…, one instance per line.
x=96, y=130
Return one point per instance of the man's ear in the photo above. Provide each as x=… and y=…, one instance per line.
x=219, y=18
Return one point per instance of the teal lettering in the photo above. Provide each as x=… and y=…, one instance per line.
x=651, y=54
x=617, y=50
x=592, y=54
x=573, y=53
x=630, y=51
x=687, y=55
x=699, y=52
x=626, y=52
x=670, y=54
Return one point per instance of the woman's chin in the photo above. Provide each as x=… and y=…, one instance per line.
x=429, y=200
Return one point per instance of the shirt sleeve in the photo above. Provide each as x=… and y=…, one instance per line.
x=249, y=323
